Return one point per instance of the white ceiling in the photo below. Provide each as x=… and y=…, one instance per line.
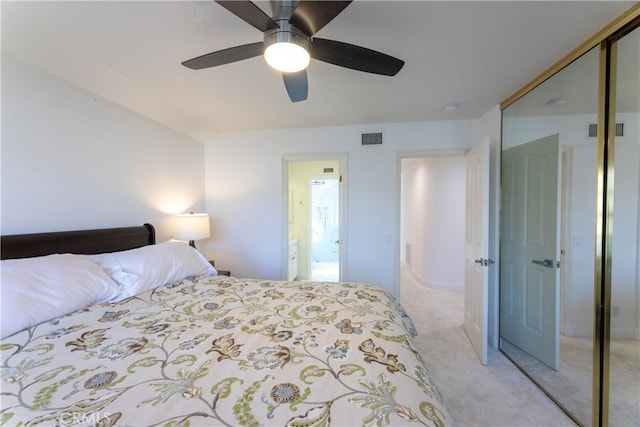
x=473, y=53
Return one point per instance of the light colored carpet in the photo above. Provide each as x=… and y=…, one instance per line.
x=572, y=383
x=477, y=396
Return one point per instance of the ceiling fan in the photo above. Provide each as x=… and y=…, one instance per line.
x=289, y=44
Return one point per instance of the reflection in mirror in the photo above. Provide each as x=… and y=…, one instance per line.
x=625, y=287
x=547, y=233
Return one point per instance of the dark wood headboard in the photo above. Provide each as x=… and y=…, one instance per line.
x=85, y=242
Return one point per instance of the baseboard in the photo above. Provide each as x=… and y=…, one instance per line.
x=431, y=284
x=624, y=334
x=579, y=332
x=568, y=330
x=616, y=333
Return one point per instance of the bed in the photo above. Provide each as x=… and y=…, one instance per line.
x=149, y=334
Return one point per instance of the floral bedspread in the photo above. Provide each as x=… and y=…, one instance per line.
x=216, y=350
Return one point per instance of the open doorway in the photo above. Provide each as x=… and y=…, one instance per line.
x=325, y=229
x=444, y=228
x=432, y=221
x=314, y=226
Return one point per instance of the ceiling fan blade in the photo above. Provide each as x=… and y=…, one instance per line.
x=355, y=57
x=250, y=13
x=311, y=16
x=296, y=85
x=225, y=56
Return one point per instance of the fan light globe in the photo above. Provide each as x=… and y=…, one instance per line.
x=287, y=57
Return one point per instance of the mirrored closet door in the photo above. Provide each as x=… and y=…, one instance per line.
x=624, y=346
x=547, y=233
x=570, y=232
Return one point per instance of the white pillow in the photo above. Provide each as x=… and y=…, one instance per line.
x=33, y=290
x=141, y=269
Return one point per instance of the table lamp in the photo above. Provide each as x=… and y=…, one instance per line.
x=191, y=226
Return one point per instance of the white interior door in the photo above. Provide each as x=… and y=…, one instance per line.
x=476, y=279
x=529, y=273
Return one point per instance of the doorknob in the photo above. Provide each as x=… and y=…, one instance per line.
x=484, y=261
x=546, y=262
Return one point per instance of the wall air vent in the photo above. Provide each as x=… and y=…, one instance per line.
x=327, y=170
x=374, y=138
x=592, y=131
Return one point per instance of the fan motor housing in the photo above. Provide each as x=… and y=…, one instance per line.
x=287, y=33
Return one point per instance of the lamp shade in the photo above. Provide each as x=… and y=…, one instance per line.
x=191, y=226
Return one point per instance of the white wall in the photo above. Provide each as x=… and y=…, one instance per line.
x=71, y=160
x=433, y=220
x=244, y=193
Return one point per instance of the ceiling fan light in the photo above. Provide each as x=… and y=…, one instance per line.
x=287, y=57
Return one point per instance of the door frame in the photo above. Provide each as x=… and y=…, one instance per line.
x=341, y=158
x=495, y=153
x=566, y=246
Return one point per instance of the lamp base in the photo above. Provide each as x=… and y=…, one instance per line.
x=192, y=243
